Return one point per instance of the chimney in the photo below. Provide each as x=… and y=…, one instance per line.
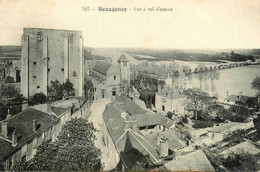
x=34, y=125
x=4, y=129
x=126, y=125
x=134, y=126
x=14, y=138
x=164, y=146
x=159, y=89
x=158, y=139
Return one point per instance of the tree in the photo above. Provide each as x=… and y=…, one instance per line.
x=197, y=100
x=73, y=150
x=257, y=124
x=38, y=98
x=169, y=114
x=256, y=83
x=8, y=91
x=68, y=88
x=57, y=91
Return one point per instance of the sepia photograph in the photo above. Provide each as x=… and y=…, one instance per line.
x=109, y=85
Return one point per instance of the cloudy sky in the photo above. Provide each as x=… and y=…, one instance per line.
x=192, y=23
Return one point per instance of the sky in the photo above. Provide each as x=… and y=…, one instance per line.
x=193, y=24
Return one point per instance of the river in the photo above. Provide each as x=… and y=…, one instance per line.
x=230, y=81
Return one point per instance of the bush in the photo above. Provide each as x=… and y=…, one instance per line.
x=169, y=114
x=38, y=98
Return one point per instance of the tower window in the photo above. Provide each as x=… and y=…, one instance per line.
x=34, y=77
x=38, y=86
x=71, y=38
x=49, y=69
x=74, y=73
x=39, y=36
x=114, y=77
x=34, y=63
x=62, y=69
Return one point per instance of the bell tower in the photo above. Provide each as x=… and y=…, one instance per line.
x=124, y=68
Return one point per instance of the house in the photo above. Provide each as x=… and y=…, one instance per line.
x=194, y=161
x=104, y=79
x=218, y=133
x=233, y=99
x=169, y=99
x=22, y=133
x=247, y=146
x=126, y=130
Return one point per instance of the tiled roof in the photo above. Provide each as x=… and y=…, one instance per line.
x=130, y=106
x=96, y=77
x=194, y=161
x=246, y=146
x=91, y=64
x=174, y=141
x=102, y=67
x=115, y=125
x=59, y=110
x=123, y=58
x=138, y=143
x=22, y=123
x=224, y=127
x=152, y=119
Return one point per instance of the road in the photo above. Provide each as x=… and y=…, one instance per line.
x=97, y=109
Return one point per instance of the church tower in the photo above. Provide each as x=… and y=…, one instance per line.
x=124, y=68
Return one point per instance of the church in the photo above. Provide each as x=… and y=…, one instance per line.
x=104, y=80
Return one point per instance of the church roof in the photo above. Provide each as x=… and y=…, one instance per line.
x=102, y=67
x=123, y=58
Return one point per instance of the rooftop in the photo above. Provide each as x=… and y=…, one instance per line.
x=224, y=127
x=246, y=146
x=130, y=106
x=174, y=141
x=196, y=160
x=123, y=58
x=102, y=67
x=234, y=98
x=22, y=123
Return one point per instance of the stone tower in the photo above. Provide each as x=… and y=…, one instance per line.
x=124, y=68
x=49, y=54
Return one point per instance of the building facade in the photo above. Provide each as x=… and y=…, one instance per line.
x=21, y=134
x=170, y=100
x=48, y=55
x=104, y=80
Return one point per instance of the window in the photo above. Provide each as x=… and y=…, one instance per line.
x=74, y=73
x=34, y=63
x=114, y=77
x=35, y=141
x=24, y=148
x=38, y=86
x=71, y=38
x=39, y=36
x=49, y=69
x=34, y=77
x=62, y=69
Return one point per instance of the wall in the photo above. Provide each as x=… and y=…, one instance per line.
x=175, y=104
